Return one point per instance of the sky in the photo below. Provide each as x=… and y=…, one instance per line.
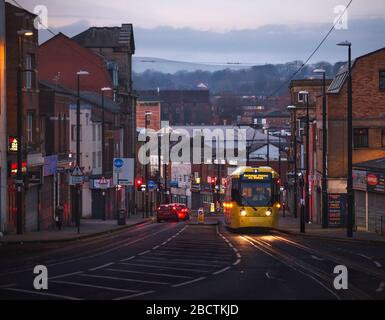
x=220, y=31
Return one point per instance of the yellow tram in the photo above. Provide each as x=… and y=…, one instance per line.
x=252, y=198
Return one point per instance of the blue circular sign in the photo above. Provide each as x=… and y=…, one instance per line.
x=118, y=163
x=152, y=185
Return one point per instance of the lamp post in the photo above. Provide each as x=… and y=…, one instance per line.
x=350, y=199
x=325, y=200
x=103, y=90
x=147, y=116
x=78, y=208
x=307, y=177
x=20, y=138
x=267, y=128
x=294, y=135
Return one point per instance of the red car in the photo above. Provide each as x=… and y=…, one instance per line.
x=172, y=212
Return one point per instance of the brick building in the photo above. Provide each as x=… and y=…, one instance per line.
x=33, y=130
x=3, y=123
x=368, y=120
x=117, y=46
x=183, y=107
x=152, y=105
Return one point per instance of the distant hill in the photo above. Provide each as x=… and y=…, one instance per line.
x=264, y=80
x=142, y=64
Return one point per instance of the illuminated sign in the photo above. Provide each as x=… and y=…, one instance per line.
x=14, y=168
x=13, y=144
x=257, y=176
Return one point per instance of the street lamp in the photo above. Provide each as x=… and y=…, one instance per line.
x=267, y=128
x=78, y=208
x=350, y=201
x=147, y=116
x=294, y=135
x=307, y=177
x=20, y=139
x=103, y=90
x=325, y=204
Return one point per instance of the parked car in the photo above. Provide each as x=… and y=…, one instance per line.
x=183, y=212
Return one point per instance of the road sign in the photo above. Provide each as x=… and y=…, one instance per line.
x=76, y=180
x=77, y=172
x=118, y=164
x=104, y=183
x=124, y=172
x=152, y=185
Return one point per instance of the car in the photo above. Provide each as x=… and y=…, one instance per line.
x=167, y=212
x=173, y=212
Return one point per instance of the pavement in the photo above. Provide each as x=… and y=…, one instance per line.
x=290, y=225
x=88, y=228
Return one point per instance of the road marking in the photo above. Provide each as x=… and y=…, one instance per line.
x=144, y=253
x=123, y=279
x=92, y=286
x=221, y=271
x=161, y=267
x=135, y=295
x=317, y=258
x=102, y=267
x=379, y=265
x=8, y=286
x=193, y=264
x=66, y=275
x=156, y=248
x=43, y=294
x=237, y=262
x=188, y=282
x=381, y=287
x=151, y=274
x=128, y=259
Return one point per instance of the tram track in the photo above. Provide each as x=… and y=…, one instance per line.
x=321, y=277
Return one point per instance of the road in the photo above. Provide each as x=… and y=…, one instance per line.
x=193, y=262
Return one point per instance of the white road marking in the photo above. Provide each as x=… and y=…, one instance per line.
x=135, y=295
x=144, y=253
x=237, y=262
x=66, y=275
x=123, y=279
x=161, y=267
x=8, y=286
x=43, y=294
x=150, y=274
x=317, y=258
x=156, y=248
x=381, y=287
x=102, y=267
x=128, y=259
x=379, y=265
x=188, y=282
x=149, y=260
x=221, y=271
x=77, y=284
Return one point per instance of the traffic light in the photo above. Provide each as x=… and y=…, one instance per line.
x=139, y=183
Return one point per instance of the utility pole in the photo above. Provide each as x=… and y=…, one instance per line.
x=20, y=137
x=103, y=90
x=325, y=200
x=294, y=135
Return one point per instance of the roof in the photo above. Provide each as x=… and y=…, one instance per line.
x=342, y=75
x=178, y=96
x=108, y=37
x=87, y=96
x=376, y=165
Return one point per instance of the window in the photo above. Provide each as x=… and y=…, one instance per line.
x=301, y=97
x=73, y=133
x=382, y=80
x=361, y=138
x=94, y=160
x=29, y=73
x=383, y=137
x=94, y=132
x=30, y=125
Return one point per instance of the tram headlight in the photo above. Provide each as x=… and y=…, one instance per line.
x=269, y=213
x=243, y=213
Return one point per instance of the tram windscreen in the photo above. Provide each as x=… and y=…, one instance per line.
x=256, y=194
